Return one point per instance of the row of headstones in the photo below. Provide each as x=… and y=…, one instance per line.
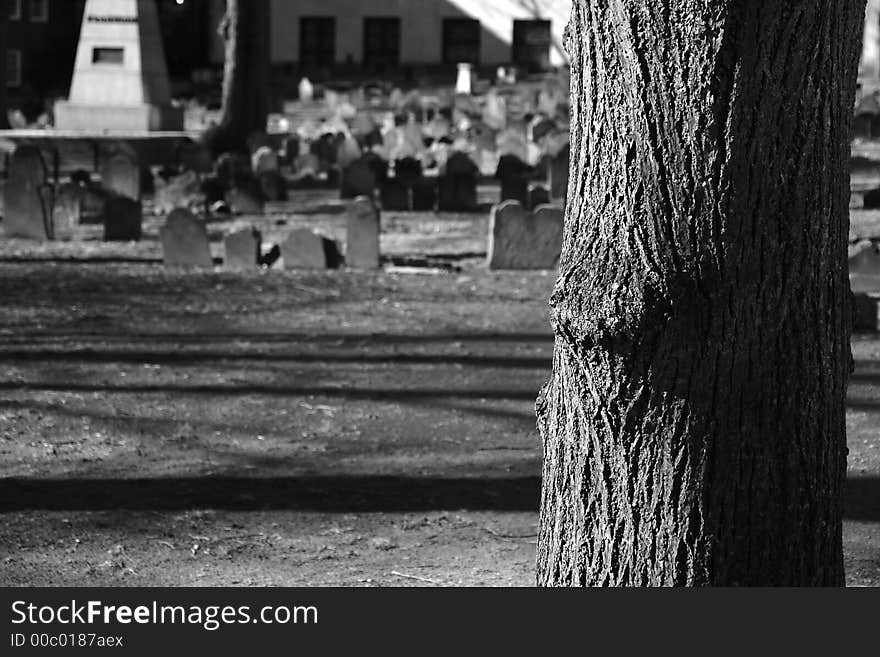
x=185, y=243
x=408, y=189
x=456, y=189
x=518, y=239
x=38, y=210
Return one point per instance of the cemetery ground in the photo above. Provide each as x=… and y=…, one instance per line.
x=171, y=427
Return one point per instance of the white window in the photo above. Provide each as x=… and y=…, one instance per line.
x=13, y=68
x=15, y=10
x=39, y=11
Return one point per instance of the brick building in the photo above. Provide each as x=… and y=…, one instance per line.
x=323, y=38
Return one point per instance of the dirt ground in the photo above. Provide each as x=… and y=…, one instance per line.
x=164, y=427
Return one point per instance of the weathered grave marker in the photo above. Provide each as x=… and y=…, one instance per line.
x=362, y=245
x=513, y=173
x=538, y=196
x=358, y=179
x=305, y=249
x=273, y=186
x=26, y=212
x=242, y=249
x=424, y=195
x=246, y=197
x=457, y=187
x=395, y=195
x=263, y=160
x=120, y=170
x=66, y=211
x=185, y=241
x=179, y=192
x=866, y=311
x=123, y=219
x=519, y=239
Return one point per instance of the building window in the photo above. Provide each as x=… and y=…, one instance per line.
x=317, y=42
x=15, y=10
x=115, y=56
x=39, y=11
x=461, y=41
x=381, y=44
x=531, y=44
x=13, y=68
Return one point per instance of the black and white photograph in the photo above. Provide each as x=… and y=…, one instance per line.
x=453, y=294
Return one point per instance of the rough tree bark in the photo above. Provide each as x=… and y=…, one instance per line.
x=694, y=423
x=4, y=31
x=245, y=102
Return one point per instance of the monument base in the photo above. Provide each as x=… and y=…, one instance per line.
x=135, y=118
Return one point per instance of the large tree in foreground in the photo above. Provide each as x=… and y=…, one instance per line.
x=4, y=46
x=246, y=31
x=694, y=424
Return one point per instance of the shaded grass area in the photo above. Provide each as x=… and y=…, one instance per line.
x=162, y=427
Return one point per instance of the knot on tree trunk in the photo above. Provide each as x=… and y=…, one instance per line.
x=623, y=311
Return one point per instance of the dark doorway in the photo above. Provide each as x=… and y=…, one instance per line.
x=381, y=44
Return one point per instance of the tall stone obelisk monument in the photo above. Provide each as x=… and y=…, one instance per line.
x=869, y=71
x=120, y=81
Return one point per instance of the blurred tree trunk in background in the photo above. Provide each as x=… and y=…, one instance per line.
x=246, y=30
x=694, y=423
x=4, y=45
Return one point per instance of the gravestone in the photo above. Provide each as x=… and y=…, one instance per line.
x=230, y=168
x=424, y=195
x=120, y=170
x=120, y=79
x=66, y=211
x=26, y=213
x=408, y=169
x=213, y=190
x=538, y=196
x=363, y=228
x=245, y=197
x=185, y=241
x=347, y=152
x=123, y=219
x=377, y=164
x=326, y=149
x=306, y=90
x=305, y=249
x=519, y=239
x=495, y=112
x=358, y=179
x=866, y=311
x=559, y=167
x=273, y=186
x=306, y=165
x=457, y=187
x=180, y=192
x=864, y=268
x=264, y=159
x=242, y=249
x=290, y=150
x=395, y=195
x=512, y=141
x=514, y=176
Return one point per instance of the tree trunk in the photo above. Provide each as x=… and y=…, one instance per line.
x=4, y=49
x=247, y=34
x=694, y=424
